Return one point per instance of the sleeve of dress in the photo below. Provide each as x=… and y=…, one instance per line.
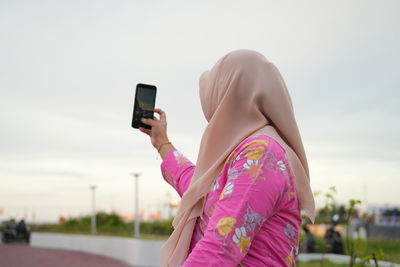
x=177, y=170
x=254, y=186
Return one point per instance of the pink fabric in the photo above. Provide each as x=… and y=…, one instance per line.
x=251, y=216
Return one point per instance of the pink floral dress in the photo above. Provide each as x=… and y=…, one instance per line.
x=251, y=216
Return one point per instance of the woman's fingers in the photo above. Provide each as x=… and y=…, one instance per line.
x=148, y=122
x=158, y=132
x=163, y=116
x=146, y=131
x=158, y=110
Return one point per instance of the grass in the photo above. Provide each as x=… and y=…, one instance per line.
x=390, y=248
x=113, y=234
x=325, y=263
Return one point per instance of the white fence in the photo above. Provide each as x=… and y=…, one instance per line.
x=138, y=253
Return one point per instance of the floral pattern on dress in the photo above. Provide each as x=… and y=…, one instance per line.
x=215, y=186
x=228, y=189
x=252, y=220
x=169, y=178
x=225, y=225
x=290, y=259
x=211, y=209
x=231, y=157
x=233, y=174
x=236, y=215
x=290, y=233
x=222, y=231
x=241, y=239
x=180, y=158
x=254, y=169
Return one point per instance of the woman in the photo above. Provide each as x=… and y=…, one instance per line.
x=241, y=203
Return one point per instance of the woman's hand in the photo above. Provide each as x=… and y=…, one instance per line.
x=158, y=132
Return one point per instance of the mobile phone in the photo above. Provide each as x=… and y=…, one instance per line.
x=145, y=99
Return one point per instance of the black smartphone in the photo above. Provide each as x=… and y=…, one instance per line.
x=145, y=100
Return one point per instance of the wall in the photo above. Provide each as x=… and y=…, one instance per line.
x=139, y=253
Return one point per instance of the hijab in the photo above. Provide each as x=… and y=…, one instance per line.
x=243, y=95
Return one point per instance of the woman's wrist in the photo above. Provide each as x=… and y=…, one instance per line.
x=159, y=142
x=162, y=144
x=165, y=149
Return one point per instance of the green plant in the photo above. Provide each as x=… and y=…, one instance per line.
x=107, y=224
x=356, y=248
x=353, y=248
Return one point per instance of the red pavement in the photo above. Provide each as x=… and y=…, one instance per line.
x=19, y=255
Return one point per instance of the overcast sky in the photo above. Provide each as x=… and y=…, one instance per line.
x=68, y=70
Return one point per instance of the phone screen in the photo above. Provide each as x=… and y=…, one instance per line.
x=145, y=99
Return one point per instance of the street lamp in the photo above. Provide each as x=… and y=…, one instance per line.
x=93, y=225
x=137, y=225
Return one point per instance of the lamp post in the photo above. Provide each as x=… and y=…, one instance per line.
x=93, y=224
x=136, y=216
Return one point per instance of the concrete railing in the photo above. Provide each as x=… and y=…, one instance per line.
x=140, y=253
x=136, y=252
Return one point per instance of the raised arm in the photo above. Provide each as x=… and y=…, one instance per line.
x=176, y=169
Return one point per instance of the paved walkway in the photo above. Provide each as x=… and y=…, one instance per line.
x=20, y=255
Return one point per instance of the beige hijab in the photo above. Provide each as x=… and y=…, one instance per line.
x=242, y=95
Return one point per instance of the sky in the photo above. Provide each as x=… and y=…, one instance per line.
x=68, y=71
